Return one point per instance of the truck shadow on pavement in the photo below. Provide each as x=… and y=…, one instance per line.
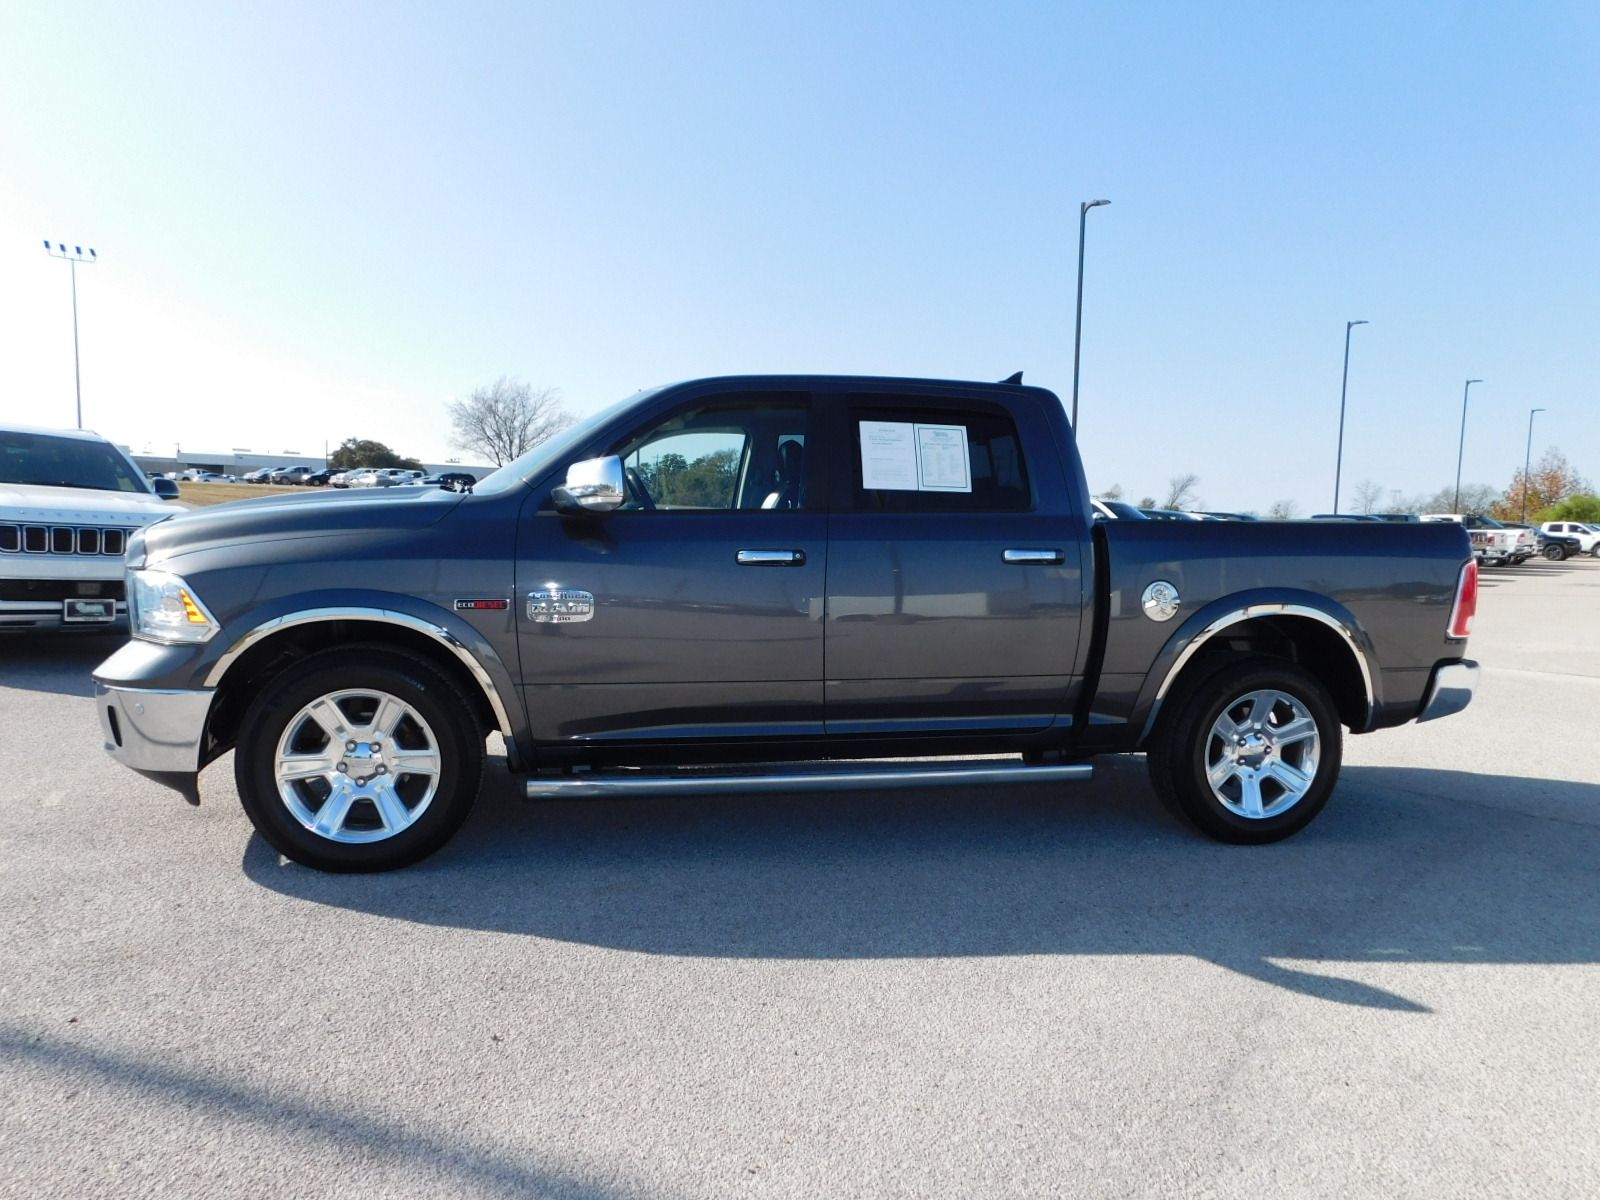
x=1406, y=865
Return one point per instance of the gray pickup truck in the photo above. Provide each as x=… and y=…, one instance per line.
x=762, y=583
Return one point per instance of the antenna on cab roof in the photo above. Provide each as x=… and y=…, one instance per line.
x=1013, y=378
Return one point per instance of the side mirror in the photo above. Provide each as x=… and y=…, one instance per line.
x=167, y=489
x=593, y=486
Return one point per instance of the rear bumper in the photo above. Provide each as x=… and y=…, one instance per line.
x=1450, y=690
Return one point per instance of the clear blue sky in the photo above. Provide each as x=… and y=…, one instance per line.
x=324, y=220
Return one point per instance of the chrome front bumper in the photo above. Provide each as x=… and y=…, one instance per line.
x=1451, y=690
x=152, y=730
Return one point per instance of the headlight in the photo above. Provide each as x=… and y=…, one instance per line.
x=163, y=608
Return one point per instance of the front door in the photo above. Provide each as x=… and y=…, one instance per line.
x=695, y=610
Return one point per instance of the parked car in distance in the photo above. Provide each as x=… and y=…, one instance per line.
x=1222, y=516
x=1167, y=514
x=1341, y=517
x=317, y=479
x=1588, y=536
x=1397, y=518
x=1558, y=547
x=1491, y=541
x=259, y=475
x=339, y=479
x=1116, y=510
x=451, y=481
x=69, y=502
x=779, y=571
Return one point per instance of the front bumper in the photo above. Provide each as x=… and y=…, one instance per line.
x=156, y=732
x=1451, y=689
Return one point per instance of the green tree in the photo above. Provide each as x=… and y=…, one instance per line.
x=359, y=452
x=1585, y=507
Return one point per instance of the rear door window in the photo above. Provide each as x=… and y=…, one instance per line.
x=935, y=457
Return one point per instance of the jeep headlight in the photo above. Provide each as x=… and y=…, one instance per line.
x=163, y=608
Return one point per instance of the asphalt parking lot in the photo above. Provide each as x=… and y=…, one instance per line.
x=1040, y=991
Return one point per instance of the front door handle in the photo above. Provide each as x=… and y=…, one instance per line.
x=1033, y=556
x=771, y=558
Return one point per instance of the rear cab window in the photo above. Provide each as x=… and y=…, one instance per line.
x=926, y=454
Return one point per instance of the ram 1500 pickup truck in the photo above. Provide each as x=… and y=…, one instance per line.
x=762, y=583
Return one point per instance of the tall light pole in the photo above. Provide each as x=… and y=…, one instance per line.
x=1338, y=462
x=1527, y=458
x=1077, y=333
x=1456, y=506
x=74, y=256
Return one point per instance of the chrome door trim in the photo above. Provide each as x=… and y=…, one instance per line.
x=384, y=616
x=770, y=558
x=1023, y=557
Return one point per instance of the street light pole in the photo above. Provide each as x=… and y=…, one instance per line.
x=1338, y=462
x=74, y=256
x=1077, y=333
x=1461, y=448
x=1527, y=458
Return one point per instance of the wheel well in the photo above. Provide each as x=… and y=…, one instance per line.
x=271, y=656
x=1302, y=640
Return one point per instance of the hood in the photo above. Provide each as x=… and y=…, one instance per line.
x=29, y=502
x=298, y=515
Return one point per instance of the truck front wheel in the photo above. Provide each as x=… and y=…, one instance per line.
x=359, y=759
x=1249, y=753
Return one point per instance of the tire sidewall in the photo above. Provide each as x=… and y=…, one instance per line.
x=1191, y=735
x=436, y=701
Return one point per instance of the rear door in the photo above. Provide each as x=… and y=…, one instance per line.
x=956, y=576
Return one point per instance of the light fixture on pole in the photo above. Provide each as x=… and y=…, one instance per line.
x=1077, y=333
x=1338, y=462
x=74, y=255
x=1460, y=449
x=1527, y=458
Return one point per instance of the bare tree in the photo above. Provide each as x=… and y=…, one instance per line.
x=1282, y=510
x=1147, y=502
x=1180, y=491
x=1114, y=492
x=1366, y=496
x=506, y=419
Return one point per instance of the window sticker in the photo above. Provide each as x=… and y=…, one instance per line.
x=902, y=456
x=888, y=456
x=942, y=461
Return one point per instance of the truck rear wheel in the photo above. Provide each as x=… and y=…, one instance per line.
x=1555, y=552
x=1249, y=753
x=359, y=759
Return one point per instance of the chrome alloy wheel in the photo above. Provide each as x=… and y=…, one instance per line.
x=1261, y=755
x=357, y=766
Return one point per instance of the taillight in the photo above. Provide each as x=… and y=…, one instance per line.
x=1466, y=605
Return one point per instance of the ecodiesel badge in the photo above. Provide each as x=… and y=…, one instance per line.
x=560, y=606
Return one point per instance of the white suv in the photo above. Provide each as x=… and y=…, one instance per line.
x=1588, y=536
x=68, y=502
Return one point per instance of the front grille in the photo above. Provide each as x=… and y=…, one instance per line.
x=92, y=540
x=61, y=589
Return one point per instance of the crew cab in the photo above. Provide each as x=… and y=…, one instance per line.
x=760, y=583
x=69, y=501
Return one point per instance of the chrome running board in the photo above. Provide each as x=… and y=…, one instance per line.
x=826, y=777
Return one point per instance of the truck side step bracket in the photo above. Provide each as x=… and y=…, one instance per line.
x=831, y=777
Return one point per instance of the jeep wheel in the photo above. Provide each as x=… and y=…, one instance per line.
x=1555, y=553
x=1250, y=753
x=360, y=759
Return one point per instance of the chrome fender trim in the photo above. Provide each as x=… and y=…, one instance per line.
x=312, y=616
x=1250, y=612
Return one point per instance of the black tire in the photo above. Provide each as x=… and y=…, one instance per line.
x=1178, y=753
x=448, y=715
x=1555, y=553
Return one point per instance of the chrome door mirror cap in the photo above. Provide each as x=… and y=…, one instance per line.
x=594, y=485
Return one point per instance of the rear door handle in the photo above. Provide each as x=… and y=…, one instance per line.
x=771, y=558
x=1024, y=557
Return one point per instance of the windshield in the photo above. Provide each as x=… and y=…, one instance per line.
x=46, y=460
x=547, y=455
